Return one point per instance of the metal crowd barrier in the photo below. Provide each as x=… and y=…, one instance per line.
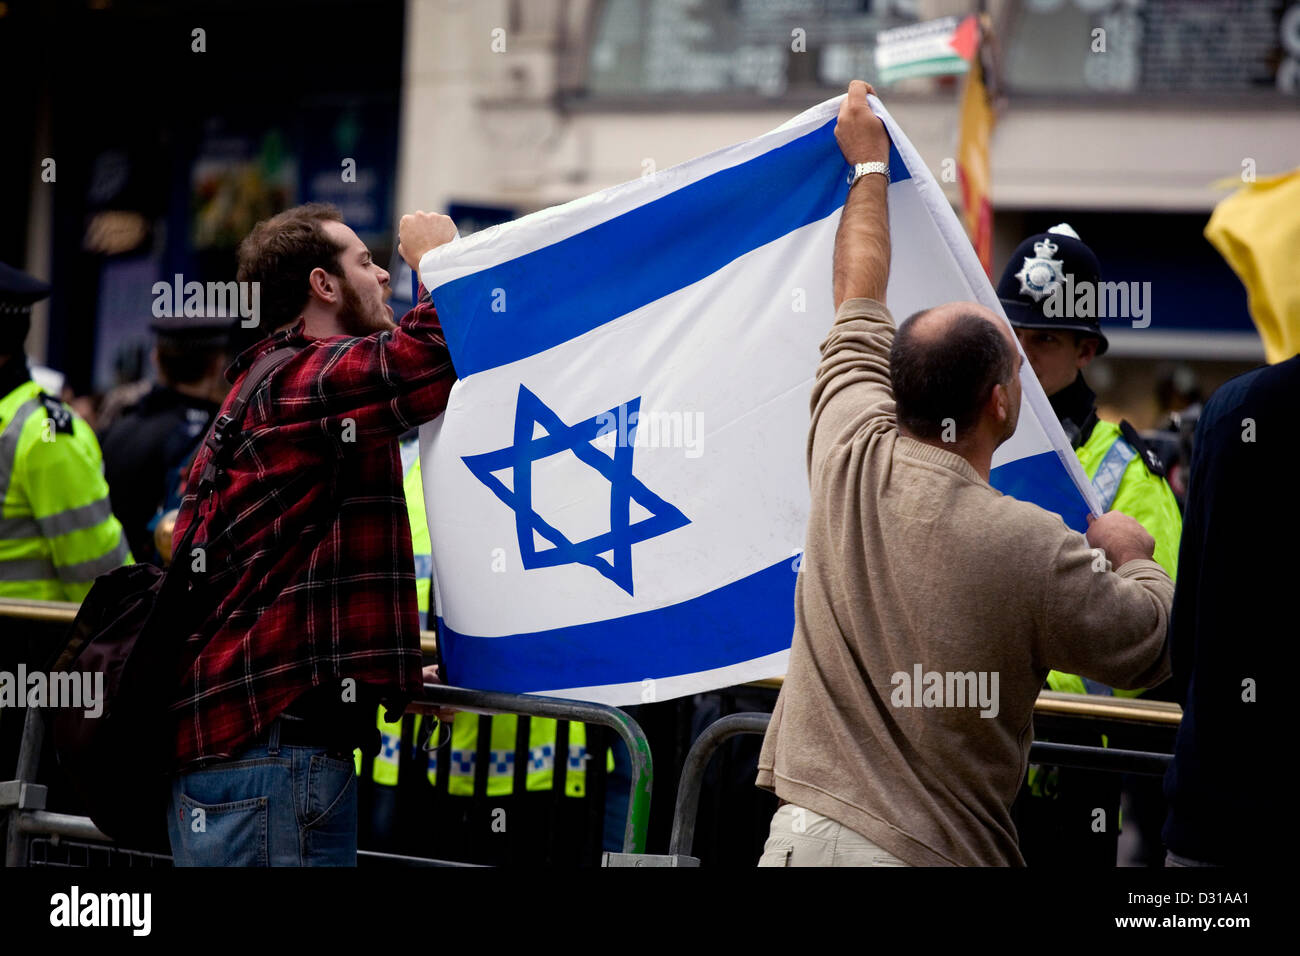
x=697, y=760
x=22, y=800
x=638, y=748
x=58, y=612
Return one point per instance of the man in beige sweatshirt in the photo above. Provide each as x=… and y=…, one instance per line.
x=930, y=606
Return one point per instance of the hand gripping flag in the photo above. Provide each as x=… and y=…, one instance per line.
x=617, y=491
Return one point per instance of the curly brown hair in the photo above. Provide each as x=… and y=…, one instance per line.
x=281, y=252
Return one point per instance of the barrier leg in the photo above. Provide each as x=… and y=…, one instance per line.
x=697, y=759
x=22, y=795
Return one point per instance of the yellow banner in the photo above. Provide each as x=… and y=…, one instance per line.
x=1257, y=230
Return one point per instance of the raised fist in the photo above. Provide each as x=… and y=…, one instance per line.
x=420, y=231
x=859, y=131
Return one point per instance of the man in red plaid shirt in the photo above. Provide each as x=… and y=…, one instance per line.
x=304, y=584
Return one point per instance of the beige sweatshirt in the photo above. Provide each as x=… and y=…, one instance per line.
x=923, y=588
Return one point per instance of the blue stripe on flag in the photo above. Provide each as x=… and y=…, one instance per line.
x=560, y=291
x=739, y=622
x=1043, y=480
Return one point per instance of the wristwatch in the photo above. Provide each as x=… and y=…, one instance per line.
x=862, y=169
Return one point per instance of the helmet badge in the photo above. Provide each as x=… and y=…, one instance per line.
x=1041, y=273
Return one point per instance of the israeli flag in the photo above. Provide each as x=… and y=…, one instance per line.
x=617, y=492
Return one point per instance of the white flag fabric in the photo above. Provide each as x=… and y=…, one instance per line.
x=617, y=493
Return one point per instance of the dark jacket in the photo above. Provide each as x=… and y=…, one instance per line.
x=1234, y=621
x=144, y=451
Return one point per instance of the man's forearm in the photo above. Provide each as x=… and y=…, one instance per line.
x=861, y=269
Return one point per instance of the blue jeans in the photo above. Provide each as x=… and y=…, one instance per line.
x=272, y=805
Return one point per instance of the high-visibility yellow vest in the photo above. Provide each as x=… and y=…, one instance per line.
x=463, y=749
x=462, y=755
x=57, y=530
x=1126, y=485
x=413, y=489
x=387, y=761
x=390, y=752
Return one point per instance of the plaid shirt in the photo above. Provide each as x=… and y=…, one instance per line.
x=309, y=573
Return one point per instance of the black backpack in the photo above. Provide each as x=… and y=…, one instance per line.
x=132, y=627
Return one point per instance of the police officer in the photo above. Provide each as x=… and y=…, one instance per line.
x=147, y=449
x=57, y=530
x=1126, y=474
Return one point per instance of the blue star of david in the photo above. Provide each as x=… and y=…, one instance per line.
x=624, y=488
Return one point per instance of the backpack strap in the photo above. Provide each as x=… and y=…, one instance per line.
x=228, y=422
x=224, y=427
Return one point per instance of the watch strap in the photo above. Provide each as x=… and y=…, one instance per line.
x=863, y=169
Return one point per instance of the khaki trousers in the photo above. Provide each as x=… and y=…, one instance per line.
x=800, y=837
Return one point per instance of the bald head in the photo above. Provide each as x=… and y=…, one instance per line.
x=945, y=363
x=937, y=322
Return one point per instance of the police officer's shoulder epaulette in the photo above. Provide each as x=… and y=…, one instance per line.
x=1145, y=451
x=58, y=413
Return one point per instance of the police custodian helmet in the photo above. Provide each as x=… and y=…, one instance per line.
x=1039, y=265
x=18, y=292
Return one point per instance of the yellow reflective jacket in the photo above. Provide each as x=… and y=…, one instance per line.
x=1127, y=485
x=57, y=530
